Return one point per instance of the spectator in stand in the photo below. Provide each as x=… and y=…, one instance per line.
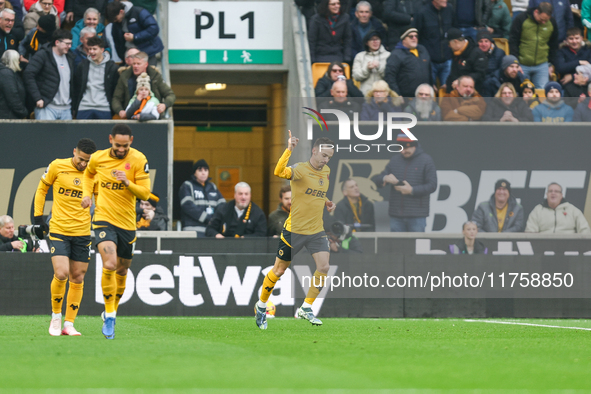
x=7, y=39
x=49, y=76
x=412, y=177
x=18, y=29
x=133, y=27
x=471, y=15
x=380, y=100
x=199, y=198
x=399, y=17
x=517, y=7
x=510, y=71
x=583, y=110
x=467, y=59
x=340, y=99
x=501, y=213
x=562, y=14
x=507, y=107
x=464, y=104
x=81, y=52
x=557, y=216
x=334, y=72
x=37, y=37
x=75, y=9
x=529, y=94
x=91, y=19
x=424, y=106
x=129, y=56
x=534, y=41
x=94, y=83
x=573, y=53
x=409, y=65
x=238, y=218
x=12, y=89
x=494, y=54
x=553, y=110
x=432, y=23
x=370, y=65
x=37, y=10
x=355, y=209
x=469, y=245
x=127, y=84
x=363, y=23
x=499, y=22
x=329, y=35
x=151, y=217
x=58, y=4
x=143, y=105
x=278, y=217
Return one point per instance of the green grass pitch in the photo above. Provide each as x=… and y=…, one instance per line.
x=170, y=355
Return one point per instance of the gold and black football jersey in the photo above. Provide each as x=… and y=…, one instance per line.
x=308, y=195
x=67, y=216
x=115, y=202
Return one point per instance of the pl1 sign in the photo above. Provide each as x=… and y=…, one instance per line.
x=237, y=32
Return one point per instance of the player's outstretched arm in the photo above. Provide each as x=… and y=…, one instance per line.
x=88, y=186
x=281, y=169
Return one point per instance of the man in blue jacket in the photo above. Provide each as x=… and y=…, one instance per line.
x=134, y=27
x=554, y=109
x=412, y=178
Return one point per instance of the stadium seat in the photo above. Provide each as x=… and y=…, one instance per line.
x=319, y=69
x=502, y=43
x=540, y=93
x=442, y=94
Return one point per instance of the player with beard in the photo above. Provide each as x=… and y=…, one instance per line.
x=123, y=175
x=69, y=233
x=304, y=226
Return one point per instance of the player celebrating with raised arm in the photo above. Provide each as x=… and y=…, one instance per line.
x=69, y=233
x=123, y=176
x=304, y=226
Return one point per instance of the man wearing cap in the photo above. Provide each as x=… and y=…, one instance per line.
x=409, y=65
x=510, y=72
x=557, y=216
x=534, y=41
x=432, y=22
x=493, y=53
x=553, y=110
x=574, y=52
x=412, y=177
x=199, y=197
x=464, y=104
x=363, y=23
x=151, y=217
x=501, y=213
x=467, y=59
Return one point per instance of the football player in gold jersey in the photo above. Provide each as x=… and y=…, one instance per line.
x=123, y=175
x=69, y=233
x=304, y=226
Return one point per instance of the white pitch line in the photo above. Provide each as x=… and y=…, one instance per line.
x=526, y=324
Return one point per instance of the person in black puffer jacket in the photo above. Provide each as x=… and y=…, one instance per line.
x=12, y=89
x=412, y=177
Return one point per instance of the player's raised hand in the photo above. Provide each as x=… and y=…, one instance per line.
x=86, y=202
x=330, y=206
x=292, y=142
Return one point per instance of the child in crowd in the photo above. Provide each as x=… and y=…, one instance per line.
x=529, y=94
x=143, y=105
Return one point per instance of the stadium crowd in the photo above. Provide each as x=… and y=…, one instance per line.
x=81, y=60
x=484, y=62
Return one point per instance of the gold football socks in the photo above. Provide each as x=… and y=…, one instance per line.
x=121, y=281
x=109, y=286
x=316, y=286
x=73, y=302
x=58, y=291
x=268, y=285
